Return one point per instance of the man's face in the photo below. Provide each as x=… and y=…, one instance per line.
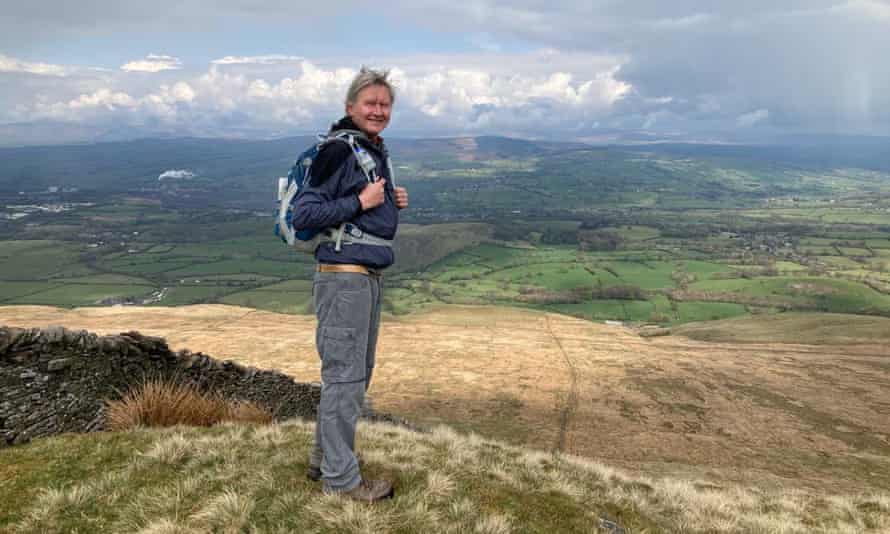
x=371, y=109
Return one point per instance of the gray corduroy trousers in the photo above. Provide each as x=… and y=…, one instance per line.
x=347, y=306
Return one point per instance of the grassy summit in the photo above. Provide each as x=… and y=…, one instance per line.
x=240, y=478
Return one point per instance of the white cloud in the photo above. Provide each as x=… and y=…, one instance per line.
x=752, y=118
x=474, y=98
x=105, y=98
x=167, y=102
x=681, y=23
x=256, y=60
x=181, y=92
x=153, y=63
x=544, y=91
x=313, y=85
x=178, y=174
x=873, y=9
x=11, y=64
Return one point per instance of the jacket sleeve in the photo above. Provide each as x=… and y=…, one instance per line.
x=319, y=207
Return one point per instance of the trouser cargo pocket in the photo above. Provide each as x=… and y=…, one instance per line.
x=340, y=358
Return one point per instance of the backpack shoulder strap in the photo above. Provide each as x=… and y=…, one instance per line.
x=331, y=154
x=365, y=161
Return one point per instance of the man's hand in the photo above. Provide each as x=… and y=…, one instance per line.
x=372, y=195
x=401, y=197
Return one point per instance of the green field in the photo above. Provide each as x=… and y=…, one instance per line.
x=11, y=291
x=641, y=236
x=80, y=294
x=660, y=279
x=185, y=294
x=298, y=302
x=27, y=260
x=647, y=275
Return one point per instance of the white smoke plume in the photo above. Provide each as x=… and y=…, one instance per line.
x=178, y=174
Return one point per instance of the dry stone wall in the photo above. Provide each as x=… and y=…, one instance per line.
x=56, y=380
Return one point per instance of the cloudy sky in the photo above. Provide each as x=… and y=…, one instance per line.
x=528, y=68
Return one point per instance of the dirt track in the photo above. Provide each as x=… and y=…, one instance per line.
x=791, y=414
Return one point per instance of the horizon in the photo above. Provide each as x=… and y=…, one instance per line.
x=618, y=139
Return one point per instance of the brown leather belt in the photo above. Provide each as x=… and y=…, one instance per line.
x=343, y=268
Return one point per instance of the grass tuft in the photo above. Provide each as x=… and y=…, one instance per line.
x=160, y=403
x=494, y=524
x=439, y=485
x=228, y=512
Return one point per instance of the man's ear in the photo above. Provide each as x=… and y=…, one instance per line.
x=349, y=108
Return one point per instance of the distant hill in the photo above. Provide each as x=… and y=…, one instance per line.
x=816, y=152
x=510, y=173
x=128, y=165
x=124, y=165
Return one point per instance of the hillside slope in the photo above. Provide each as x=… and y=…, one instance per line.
x=786, y=415
x=235, y=478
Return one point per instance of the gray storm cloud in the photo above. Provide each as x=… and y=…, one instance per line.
x=816, y=65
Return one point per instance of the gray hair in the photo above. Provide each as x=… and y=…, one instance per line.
x=365, y=78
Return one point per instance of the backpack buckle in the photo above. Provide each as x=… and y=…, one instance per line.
x=354, y=230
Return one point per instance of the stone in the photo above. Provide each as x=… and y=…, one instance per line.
x=27, y=374
x=8, y=337
x=54, y=334
x=69, y=337
x=84, y=370
x=58, y=364
x=21, y=339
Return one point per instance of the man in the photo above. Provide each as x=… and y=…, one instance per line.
x=346, y=289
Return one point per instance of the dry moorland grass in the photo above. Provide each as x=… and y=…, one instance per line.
x=771, y=414
x=246, y=478
x=159, y=403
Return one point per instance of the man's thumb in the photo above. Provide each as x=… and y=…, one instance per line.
x=382, y=181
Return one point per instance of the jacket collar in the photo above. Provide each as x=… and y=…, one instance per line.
x=346, y=123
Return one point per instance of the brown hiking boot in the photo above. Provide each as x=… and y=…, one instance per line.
x=368, y=491
x=313, y=472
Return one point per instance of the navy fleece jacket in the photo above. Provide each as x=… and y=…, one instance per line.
x=331, y=198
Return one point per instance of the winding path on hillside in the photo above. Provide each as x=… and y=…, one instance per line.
x=571, y=402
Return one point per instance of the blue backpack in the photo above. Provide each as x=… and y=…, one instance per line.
x=290, y=187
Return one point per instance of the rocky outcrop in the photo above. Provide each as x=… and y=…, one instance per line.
x=56, y=380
